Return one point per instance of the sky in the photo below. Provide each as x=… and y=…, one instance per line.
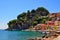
x=10, y=9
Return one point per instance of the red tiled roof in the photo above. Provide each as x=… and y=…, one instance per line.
x=55, y=14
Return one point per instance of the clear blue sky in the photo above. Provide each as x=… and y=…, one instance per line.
x=9, y=9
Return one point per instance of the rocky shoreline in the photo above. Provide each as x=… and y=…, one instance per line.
x=51, y=36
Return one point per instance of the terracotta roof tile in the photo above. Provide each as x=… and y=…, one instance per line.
x=55, y=14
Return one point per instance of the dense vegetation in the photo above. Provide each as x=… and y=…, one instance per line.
x=30, y=18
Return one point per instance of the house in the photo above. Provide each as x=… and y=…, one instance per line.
x=55, y=16
x=53, y=24
x=50, y=23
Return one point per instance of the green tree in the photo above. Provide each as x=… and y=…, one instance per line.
x=33, y=11
x=42, y=11
x=21, y=16
x=28, y=15
x=12, y=23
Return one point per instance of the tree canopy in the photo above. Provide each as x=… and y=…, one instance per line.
x=30, y=18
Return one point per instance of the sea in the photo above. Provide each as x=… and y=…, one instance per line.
x=18, y=35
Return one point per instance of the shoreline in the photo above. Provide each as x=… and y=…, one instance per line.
x=52, y=36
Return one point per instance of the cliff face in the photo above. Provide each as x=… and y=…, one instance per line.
x=29, y=18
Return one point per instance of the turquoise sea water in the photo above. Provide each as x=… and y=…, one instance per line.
x=18, y=35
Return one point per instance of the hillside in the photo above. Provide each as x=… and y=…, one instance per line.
x=30, y=18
